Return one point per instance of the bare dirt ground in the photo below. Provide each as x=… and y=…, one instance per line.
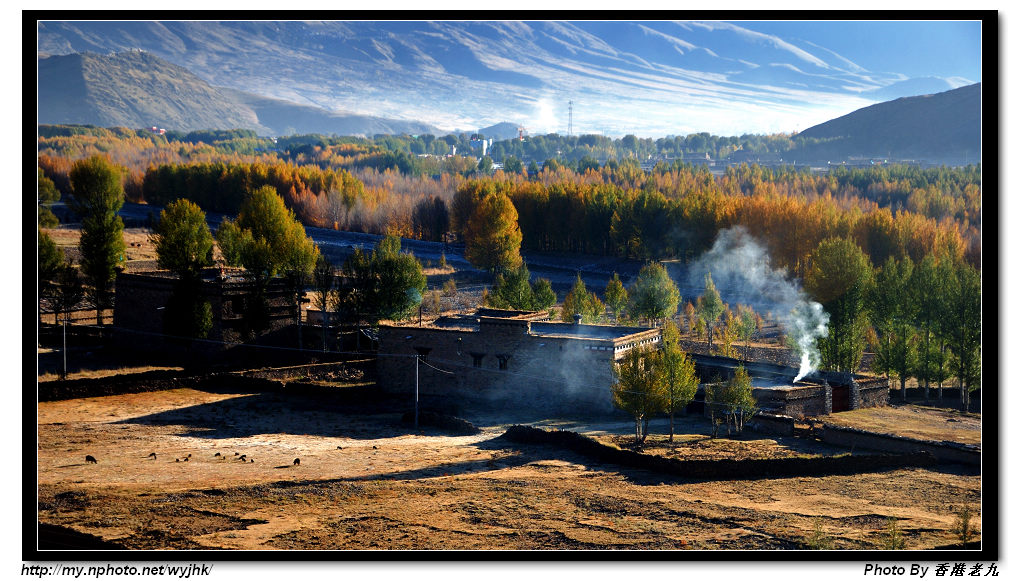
x=366, y=481
x=912, y=421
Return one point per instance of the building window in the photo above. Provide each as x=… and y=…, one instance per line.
x=476, y=359
x=503, y=360
x=423, y=352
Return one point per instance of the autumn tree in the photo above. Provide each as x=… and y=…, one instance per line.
x=268, y=241
x=839, y=278
x=616, y=296
x=96, y=196
x=710, y=308
x=184, y=245
x=636, y=390
x=493, y=238
x=675, y=372
x=654, y=295
x=47, y=194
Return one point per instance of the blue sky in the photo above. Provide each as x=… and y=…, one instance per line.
x=914, y=48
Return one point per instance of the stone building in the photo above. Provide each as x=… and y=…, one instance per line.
x=506, y=358
x=141, y=299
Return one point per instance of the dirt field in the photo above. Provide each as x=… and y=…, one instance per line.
x=924, y=423
x=366, y=481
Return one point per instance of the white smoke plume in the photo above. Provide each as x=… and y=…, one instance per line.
x=742, y=273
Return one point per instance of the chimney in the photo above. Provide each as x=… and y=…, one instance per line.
x=577, y=318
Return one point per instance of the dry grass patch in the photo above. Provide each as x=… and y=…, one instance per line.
x=913, y=421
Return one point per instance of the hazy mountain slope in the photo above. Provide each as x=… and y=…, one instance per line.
x=133, y=89
x=136, y=89
x=943, y=126
x=656, y=77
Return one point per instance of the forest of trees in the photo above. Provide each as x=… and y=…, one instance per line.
x=582, y=194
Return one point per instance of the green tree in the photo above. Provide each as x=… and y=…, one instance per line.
x=675, y=372
x=485, y=165
x=324, y=285
x=387, y=284
x=636, y=390
x=545, y=297
x=893, y=308
x=183, y=242
x=654, y=295
x=731, y=401
x=513, y=291
x=96, y=196
x=929, y=289
x=580, y=301
x=493, y=238
x=963, y=314
x=184, y=246
x=747, y=326
x=616, y=296
x=839, y=278
x=710, y=308
x=513, y=165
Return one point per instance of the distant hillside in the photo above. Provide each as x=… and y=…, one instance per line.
x=135, y=89
x=499, y=131
x=944, y=127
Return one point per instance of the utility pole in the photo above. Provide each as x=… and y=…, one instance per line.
x=416, y=358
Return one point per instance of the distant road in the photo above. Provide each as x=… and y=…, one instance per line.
x=560, y=269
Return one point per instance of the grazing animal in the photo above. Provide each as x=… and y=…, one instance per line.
x=177, y=459
x=90, y=460
x=339, y=447
x=216, y=454
x=185, y=459
x=252, y=460
x=236, y=453
x=242, y=458
x=375, y=447
x=297, y=461
x=152, y=455
x=189, y=455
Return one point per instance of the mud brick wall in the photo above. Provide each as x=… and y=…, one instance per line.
x=949, y=452
x=502, y=366
x=772, y=424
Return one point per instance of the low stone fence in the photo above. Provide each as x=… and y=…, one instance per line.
x=718, y=469
x=943, y=451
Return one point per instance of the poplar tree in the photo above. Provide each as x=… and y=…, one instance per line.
x=710, y=308
x=636, y=390
x=839, y=278
x=96, y=196
x=675, y=373
x=616, y=296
